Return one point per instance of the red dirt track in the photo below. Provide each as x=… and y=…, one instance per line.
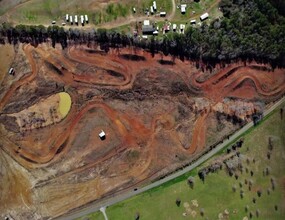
x=154, y=115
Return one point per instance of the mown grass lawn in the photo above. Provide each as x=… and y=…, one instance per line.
x=216, y=196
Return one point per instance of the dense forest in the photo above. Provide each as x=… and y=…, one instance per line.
x=250, y=29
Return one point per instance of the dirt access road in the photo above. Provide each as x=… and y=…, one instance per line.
x=112, y=201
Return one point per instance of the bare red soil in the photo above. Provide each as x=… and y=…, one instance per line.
x=156, y=116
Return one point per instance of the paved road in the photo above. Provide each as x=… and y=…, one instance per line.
x=126, y=195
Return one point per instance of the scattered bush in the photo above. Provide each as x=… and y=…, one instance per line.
x=257, y=213
x=190, y=182
x=178, y=202
x=259, y=192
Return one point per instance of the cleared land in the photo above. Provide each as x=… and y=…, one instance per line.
x=157, y=115
x=110, y=14
x=45, y=11
x=216, y=196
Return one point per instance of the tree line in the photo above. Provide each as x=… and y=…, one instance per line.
x=249, y=30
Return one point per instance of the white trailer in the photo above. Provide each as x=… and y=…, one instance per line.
x=193, y=21
x=182, y=28
x=86, y=19
x=204, y=16
x=183, y=8
x=70, y=19
x=66, y=17
x=82, y=20
x=151, y=9
x=76, y=19
x=154, y=5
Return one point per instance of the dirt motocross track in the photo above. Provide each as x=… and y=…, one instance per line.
x=157, y=116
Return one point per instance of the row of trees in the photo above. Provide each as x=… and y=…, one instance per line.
x=250, y=29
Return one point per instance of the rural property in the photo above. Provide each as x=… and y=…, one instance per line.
x=103, y=101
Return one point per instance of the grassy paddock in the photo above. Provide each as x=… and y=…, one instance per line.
x=216, y=194
x=44, y=11
x=199, y=8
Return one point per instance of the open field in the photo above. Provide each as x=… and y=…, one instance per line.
x=158, y=114
x=43, y=12
x=216, y=196
x=195, y=9
x=110, y=14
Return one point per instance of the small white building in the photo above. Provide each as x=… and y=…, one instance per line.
x=11, y=71
x=146, y=22
x=86, y=19
x=102, y=135
x=154, y=5
x=66, y=17
x=193, y=21
x=76, y=19
x=174, y=27
x=134, y=10
x=162, y=14
x=204, y=16
x=70, y=19
x=183, y=8
x=144, y=36
x=53, y=22
x=63, y=23
x=82, y=19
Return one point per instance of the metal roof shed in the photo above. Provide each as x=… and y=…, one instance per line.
x=147, y=29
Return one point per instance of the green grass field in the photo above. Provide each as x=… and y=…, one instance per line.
x=199, y=8
x=216, y=194
x=45, y=11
